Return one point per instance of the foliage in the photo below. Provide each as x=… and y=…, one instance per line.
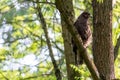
x=23, y=48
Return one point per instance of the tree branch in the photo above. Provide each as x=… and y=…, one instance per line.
x=44, y=26
x=116, y=48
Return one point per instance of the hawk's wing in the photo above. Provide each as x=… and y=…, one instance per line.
x=83, y=30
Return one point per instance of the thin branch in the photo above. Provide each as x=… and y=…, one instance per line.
x=15, y=40
x=44, y=2
x=116, y=49
x=44, y=26
x=4, y=76
x=16, y=22
x=58, y=47
x=26, y=21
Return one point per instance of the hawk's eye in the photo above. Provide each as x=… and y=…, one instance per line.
x=86, y=15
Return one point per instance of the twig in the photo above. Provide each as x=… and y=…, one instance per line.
x=4, y=76
x=44, y=2
x=116, y=49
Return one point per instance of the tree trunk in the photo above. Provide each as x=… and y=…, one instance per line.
x=69, y=55
x=102, y=39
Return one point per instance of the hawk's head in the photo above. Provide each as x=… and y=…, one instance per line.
x=86, y=15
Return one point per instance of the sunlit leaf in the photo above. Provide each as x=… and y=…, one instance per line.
x=19, y=18
x=5, y=9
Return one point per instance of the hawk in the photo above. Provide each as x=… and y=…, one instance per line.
x=83, y=28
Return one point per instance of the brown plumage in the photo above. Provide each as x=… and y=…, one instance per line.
x=83, y=28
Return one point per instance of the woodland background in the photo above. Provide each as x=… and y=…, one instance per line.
x=31, y=29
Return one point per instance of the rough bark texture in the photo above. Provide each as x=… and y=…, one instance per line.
x=64, y=7
x=44, y=26
x=102, y=39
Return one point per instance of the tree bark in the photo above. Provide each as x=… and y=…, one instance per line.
x=69, y=55
x=102, y=39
